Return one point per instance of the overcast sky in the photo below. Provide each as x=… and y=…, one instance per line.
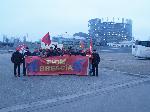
x=37, y=17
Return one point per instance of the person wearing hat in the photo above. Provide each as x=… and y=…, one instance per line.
x=25, y=54
x=16, y=58
x=95, y=62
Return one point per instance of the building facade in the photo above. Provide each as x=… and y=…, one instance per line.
x=106, y=30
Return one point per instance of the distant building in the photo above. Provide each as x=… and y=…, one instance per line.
x=73, y=42
x=121, y=44
x=107, y=31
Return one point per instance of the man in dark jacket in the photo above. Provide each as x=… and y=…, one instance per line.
x=17, y=60
x=35, y=52
x=27, y=53
x=95, y=62
x=51, y=52
x=59, y=52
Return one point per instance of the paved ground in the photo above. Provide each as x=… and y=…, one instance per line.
x=125, y=62
x=135, y=99
x=25, y=90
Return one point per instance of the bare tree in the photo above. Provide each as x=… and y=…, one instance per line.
x=24, y=39
x=6, y=39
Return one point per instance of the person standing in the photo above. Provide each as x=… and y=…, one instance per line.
x=35, y=52
x=51, y=52
x=16, y=58
x=27, y=53
x=95, y=62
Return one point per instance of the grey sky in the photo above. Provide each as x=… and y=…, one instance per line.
x=37, y=17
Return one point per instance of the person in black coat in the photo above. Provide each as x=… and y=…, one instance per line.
x=95, y=62
x=17, y=59
x=35, y=52
x=27, y=53
x=51, y=52
x=59, y=52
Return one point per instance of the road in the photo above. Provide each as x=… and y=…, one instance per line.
x=129, y=99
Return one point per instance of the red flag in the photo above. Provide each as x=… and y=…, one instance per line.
x=91, y=45
x=21, y=47
x=46, y=39
x=82, y=44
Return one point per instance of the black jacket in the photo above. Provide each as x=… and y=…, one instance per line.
x=51, y=53
x=95, y=58
x=17, y=57
x=27, y=53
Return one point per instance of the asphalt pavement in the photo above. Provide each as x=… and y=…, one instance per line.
x=129, y=99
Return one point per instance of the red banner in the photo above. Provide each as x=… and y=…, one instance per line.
x=57, y=65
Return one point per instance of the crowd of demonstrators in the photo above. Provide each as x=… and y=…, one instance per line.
x=57, y=52
x=19, y=58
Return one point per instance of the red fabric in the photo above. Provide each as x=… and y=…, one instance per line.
x=90, y=56
x=82, y=44
x=46, y=39
x=91, y=45
x=56, y=65
x=21, y=47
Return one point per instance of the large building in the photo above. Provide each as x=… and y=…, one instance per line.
x=115, y=30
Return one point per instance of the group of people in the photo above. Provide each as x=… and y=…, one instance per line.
x=19, y=58
x=57, y=52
